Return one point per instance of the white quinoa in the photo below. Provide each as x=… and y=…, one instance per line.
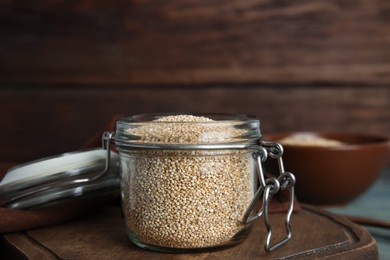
x=310, y=140
x=186, y=129
x=185, y=198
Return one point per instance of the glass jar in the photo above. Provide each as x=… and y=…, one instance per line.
x=189, y=182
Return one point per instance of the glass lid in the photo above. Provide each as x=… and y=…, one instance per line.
x=75, y=174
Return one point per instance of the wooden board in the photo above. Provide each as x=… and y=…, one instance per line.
x=317, y=234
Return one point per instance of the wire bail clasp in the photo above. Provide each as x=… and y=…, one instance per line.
x=268, y=188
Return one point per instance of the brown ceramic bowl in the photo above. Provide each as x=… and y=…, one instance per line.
x=333, y=175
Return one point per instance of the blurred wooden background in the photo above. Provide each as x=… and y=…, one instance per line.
x=66, y=67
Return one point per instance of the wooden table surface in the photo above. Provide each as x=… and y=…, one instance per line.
x=373, y=204
x=316, y=234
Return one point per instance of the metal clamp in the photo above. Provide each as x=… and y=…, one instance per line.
x=268, y=188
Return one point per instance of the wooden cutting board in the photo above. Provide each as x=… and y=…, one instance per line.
x=316, y=234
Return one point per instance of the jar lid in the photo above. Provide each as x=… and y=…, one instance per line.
x=56, y=178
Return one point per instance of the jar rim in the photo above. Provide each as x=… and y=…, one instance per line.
x=216, y=130
x=217, y=117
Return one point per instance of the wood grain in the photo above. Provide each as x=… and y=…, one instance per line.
x=38, y=122
x=177, y=42
x=317, y=234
